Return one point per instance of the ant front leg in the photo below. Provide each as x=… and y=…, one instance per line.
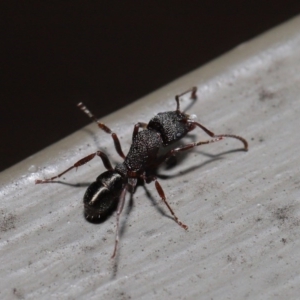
x=186, y=147
x=193, y=92
x=104, y=128
x=81, y=162
x=210, y=133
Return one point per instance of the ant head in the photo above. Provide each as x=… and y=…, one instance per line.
x=172, y=125
x=102, y=195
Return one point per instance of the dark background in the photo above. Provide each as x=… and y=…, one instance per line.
x=107, y=54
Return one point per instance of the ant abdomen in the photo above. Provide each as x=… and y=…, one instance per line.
x=102, y=195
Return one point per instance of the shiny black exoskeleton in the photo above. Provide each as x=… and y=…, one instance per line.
x=110, y=187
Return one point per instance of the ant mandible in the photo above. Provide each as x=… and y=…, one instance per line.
x=163, y=129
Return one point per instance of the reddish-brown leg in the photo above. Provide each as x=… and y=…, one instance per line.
x=81, y=162
x=103, y=127
x=119, y=211
x=163, y=197
x=210, y=133
x=184, y=148
x=163, y=158
x=193, y=92
x=136, y=128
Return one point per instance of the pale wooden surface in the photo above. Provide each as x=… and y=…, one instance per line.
x=242, y=208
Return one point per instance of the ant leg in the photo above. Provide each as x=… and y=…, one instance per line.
x=163, y=197
x=119, y=211
x=210, y=133
x=103, y=127
x=193, y=92
x=136, y=128
x=81, y=162
x=186, y=147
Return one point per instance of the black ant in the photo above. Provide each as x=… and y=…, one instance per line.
x=110, y=187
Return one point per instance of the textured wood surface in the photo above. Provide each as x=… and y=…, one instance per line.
x=243, y=209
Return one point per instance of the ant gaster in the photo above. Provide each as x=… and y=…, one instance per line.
x=163, y=129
